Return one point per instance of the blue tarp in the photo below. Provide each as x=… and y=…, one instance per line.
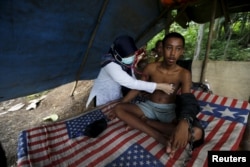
x=45, y=43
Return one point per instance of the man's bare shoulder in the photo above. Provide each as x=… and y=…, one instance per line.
x=151, y=66
x=184, y=71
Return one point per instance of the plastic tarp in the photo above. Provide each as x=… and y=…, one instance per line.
x=45, y=44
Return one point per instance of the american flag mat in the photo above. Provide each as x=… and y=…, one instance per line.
x=65, y=144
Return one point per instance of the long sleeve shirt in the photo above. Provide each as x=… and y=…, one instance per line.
x=107, y=86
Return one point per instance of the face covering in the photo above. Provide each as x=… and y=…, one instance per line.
x=128, y=60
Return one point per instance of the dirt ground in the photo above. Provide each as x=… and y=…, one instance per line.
x=57, y=101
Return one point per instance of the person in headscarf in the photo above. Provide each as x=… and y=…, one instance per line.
x=116, y=76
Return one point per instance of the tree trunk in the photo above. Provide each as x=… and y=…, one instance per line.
x=228, y=41
x=199, y=42
x=216, y=29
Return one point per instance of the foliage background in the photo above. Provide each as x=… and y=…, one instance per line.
x=231, y=42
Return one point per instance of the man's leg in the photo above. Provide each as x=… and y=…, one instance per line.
x=197, y=137
x=132, y=114
x=165, y=128
x=168, y=128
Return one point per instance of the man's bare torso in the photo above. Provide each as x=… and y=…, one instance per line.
x=171, y=75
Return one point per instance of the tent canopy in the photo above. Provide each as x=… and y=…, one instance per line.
x=45, y=44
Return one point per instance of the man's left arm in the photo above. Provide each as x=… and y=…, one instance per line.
x=185, y=114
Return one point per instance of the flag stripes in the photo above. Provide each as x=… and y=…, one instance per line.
x=50, y=145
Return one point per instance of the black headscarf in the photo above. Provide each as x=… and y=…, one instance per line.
x=123, y=46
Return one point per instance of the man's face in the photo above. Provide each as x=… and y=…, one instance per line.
x=173, y=50
x=159, y=48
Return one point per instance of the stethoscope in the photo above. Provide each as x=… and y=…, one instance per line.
x=118, y=58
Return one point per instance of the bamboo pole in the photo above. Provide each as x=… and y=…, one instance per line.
x=89, y=45
x=204, y=64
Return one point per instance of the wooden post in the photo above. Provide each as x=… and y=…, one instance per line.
x=204, y=64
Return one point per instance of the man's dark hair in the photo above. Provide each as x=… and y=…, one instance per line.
x=173, y=35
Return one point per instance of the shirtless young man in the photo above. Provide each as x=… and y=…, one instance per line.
x=157, y=116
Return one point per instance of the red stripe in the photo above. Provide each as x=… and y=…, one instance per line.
x=65, y=149
x=208, y=138
x=206, y=97
x=223, y=101
x=225, y=136
x=42, y=127
x=32, y=144
x=48, y=131
x=54, y=153
x=24, y=162
x=215, y=130
x=214, y=99
x=101, y=158
x=80, y=150
x=200, y=116
x=152, y=145
x=223, y=139
x=51, y=146
x=245, y=105
x=172, y=161
x=142, y=140
x=160, y=153
x=237, y=143
x=234, y=102
x=199, y=95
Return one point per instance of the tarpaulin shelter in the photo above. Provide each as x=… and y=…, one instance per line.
x=45, y=44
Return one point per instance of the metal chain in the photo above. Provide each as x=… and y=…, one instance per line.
x=189, y=150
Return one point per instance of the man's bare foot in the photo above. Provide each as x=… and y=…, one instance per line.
x=170, y=151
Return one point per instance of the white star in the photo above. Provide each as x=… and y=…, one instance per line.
x=208, y=108
x=154, y=162
x=227, y=113
x=134, y=163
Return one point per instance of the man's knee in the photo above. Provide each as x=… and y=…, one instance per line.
x=119, y=108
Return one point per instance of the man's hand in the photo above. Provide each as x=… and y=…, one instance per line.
x=179, y=138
